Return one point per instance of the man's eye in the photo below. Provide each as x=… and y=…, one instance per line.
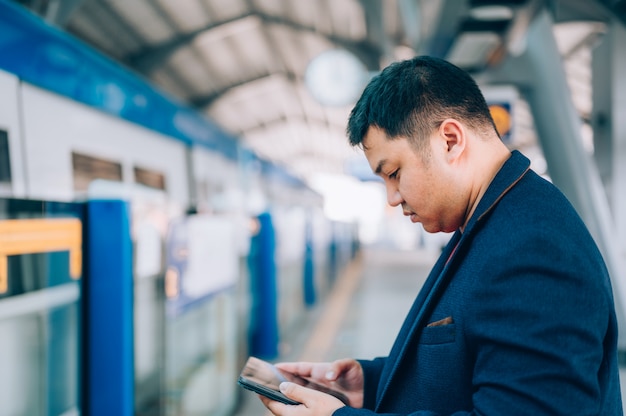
x=394, y=174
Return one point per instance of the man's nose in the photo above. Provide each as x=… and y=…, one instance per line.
x=393, y=197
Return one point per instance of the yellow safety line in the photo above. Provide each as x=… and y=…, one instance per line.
x=325, y=332
x=40, y=235
x=329, y=324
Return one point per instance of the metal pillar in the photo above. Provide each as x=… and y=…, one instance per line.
x=539, y=74
x=609, y=126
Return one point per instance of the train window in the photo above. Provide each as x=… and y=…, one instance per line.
x=88, y=168
x=150, y=178
x=5, y=160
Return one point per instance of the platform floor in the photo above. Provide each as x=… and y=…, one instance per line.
x=361, y=316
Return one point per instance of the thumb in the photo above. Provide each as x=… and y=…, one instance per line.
x=293, y=391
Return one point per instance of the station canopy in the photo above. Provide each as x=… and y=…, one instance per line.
x=283, y=75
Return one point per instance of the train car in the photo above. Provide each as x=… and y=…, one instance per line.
x=199, y=211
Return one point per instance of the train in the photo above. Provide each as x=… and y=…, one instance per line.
x=144, y=251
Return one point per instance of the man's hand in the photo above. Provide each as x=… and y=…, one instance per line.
x=344, y=376
x=314, y=403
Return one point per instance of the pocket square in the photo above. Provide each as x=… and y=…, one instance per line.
x=445, y=321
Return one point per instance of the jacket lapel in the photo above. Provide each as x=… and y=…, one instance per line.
x=416, y=314
x=510, y=173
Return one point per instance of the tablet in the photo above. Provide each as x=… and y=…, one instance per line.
x=264, y=378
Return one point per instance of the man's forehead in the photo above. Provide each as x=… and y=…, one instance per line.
x=373, y=135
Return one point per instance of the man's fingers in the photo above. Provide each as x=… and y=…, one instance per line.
x=303, y=369
x=336, y=368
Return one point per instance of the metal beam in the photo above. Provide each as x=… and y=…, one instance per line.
x=148, y=58
x=204, y=101
x=411, y=14
x=440, y=42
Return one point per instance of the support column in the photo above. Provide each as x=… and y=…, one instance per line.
x=609, y=124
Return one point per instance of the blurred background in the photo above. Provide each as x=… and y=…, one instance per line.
x=177, y=190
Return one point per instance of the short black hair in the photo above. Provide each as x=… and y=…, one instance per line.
x=411, y=98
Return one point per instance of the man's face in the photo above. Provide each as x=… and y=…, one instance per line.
x=424, y=187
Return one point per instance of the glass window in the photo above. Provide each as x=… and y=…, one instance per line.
x=150, y=178
x=88, y=168
x=5, y=160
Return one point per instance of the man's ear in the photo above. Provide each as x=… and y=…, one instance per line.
x=455, y=136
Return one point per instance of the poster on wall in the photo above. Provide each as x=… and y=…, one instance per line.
x=202, y=260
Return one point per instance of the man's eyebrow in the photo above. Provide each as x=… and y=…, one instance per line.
x=379, y=167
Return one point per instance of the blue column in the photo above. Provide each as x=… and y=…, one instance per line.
x=109, y=303
x=333, y=265
x=309, y=266
x=263, y=315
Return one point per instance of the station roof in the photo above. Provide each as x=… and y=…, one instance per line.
x=255, y=66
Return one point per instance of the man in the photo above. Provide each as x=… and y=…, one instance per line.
x=517, y=315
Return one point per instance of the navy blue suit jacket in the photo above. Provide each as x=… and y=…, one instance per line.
x=519, y=321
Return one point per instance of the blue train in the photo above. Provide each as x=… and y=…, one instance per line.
x=144, y=252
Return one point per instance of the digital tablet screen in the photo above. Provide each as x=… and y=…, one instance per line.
x=264, y=378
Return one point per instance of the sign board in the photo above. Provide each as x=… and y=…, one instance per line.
x=501, y=101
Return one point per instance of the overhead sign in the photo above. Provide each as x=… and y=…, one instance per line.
x=41, y=235
x=501, y=100
x=501, y=114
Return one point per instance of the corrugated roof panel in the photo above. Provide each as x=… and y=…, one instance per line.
x=229, y=117
x=185, y=62
x=188, y=15
x=309, y=105
x=304, y=13
x=225, y=63
x=289, y=102
x=338, y=116
x=137, y=13
x=226, y=10
x=94, y=35
x=259, y=55
x=324, y=22
x=287, y=45
x=348, y=19
x=101, y=26
x=236, y=27
x=162, y=77
x=249, y=106
x=315, y=44
x=298, y=48
x=269, y=7
x=268, y=96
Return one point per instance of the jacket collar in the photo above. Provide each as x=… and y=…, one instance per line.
x=509, y=174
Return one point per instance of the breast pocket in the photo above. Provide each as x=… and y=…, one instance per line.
x=433, y=335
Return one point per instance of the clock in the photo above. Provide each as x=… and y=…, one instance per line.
x=336, y=78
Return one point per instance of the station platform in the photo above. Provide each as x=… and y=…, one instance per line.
x=361, y=316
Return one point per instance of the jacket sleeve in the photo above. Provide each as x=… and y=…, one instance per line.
x=537, y=326
x=371, y=376
x=372, y=370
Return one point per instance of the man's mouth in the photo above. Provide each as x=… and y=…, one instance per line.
x=412, y=216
